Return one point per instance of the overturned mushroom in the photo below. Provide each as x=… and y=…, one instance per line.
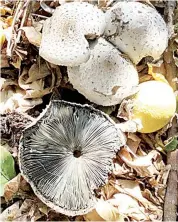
x=64, y=34
x=107, y=77
x=67, y=153
x=137, y=30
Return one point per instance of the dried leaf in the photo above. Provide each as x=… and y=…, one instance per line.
x=16, y=62
x=128, y=207
x=132, y=189
x=2, y=37
x=33, y=36
x=145, y=78
x=104, y=211
x=125, y=112
x=30, y=207
x=14, y=100
x=133, y=142
x=37, y=71
x=130, y=126
x=119, y=169
x=149, y=196
x=4, y=10
x=6, y=82
x=8, y=21
x=143, y=165
x=4, y=59
x=157, y=73
x=108, y=191
x=79, y=218
x=34, y=84
x=11, y=188
x=11, y=213
x=125, y=154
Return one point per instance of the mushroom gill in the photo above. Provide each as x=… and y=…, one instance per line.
x=67, y=153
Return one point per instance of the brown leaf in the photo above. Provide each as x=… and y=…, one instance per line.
x=108, y=191
x=6, y=83
x=16, y=62
x=133, y=142
x=149, y=196
x=11, y=188
x=30, y=207
x=129, y=207
x=33, y=36
x=132, y=189
x=12, y=100
x=104, y=211
x=143, y=165
x=119, y=169
x=124, y=153
x=4, y=59
x=34, y=81
x=11, y=213
x=37, y=71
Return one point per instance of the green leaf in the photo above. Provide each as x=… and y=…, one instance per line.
x=171, y=145
x=7, y=170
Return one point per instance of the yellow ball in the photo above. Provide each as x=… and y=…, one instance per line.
x=154, y=105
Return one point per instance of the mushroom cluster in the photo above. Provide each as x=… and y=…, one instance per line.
x=90, y=43
x=67, y=153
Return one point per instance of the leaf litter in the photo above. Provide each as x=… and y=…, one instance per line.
x=136, y=187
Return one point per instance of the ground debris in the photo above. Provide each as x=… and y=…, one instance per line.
x=142, y=184
x=12, y=125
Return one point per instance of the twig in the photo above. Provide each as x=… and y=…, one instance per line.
x=10, y=44
x=170, y=66
x=27, y=7
x=171, y=198
x=169, y=13
x=40, y=16
x=171, y=202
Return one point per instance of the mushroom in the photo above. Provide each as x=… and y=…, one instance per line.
x=137, y=30
x=107, y=77
x=65, y=34
x=67, y=153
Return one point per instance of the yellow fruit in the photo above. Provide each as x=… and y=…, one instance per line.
x=154, y=105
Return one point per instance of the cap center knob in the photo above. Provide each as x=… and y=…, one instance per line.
x=77, y=153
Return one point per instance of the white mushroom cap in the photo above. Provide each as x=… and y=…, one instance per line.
x=137, y=30
x=67, y=153
x=107, y=77
x=64, y=34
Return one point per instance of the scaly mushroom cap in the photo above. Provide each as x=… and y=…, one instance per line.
x=107, y=77
x=64, y=34
x=137, y=30
x=67, y=153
